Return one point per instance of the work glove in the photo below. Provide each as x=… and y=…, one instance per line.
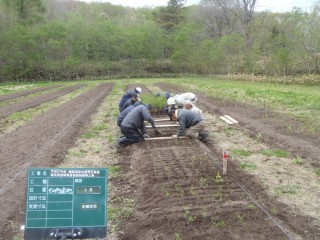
x=146, y=135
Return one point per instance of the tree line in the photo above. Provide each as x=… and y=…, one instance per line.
x=67, y=39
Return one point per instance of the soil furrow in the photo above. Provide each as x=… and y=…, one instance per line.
x=195, y=206
x=41, y=143
x=34, y=102
x=25, y=93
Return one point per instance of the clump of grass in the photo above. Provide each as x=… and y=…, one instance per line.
x=297, y=161
x=89, y=135
x=229, y=132
x=241, y=153
x=275, y=153
x=114, y=170
x=289, y=189
x=248, y=166
x=317, y=171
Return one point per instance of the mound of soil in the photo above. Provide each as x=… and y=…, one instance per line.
x=34, y=102
x=25, y=93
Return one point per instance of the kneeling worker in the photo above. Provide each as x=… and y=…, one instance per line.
x=132, y=126
x=190, y=124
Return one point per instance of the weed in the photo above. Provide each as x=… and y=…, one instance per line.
x=89, y=135
x=73, y=153
x=248, y=166
x=297, y=160
x=110, y=138
x=289, y=189
x=275, y=153
x=317, y=171
x=229, y=132
x=241, y=152
x=100, y=127
x=114, y=170
x=274, y=210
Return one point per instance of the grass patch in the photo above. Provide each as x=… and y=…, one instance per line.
x=241, y=153
x=248, y=166
x=317, y=171
x=89, y=135
x=73, y=153
x=289, y=189
x=229, y=132
x=275, y=153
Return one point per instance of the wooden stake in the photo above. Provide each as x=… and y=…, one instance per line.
x=225, y=163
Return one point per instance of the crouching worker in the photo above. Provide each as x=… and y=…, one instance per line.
x=132, y=126
x=191, y=124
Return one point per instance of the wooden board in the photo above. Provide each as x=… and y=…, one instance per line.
x=226, y=120
x=231, y=119
x=163, y=138
x=164, y=126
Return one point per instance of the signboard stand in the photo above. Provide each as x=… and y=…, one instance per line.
x=66, y=203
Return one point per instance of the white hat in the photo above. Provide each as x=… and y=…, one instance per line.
x=188, y=102
x=171, y=101
x=139, y=90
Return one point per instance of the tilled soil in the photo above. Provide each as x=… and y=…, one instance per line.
x=25, y=93
x=40, y=143
x=179, y=192
x=34, y=102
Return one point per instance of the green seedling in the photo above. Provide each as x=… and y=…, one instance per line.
x=110, y=138
x=317, y=171
x=188, y=215
x=218, y=178
x=193, y=191
x=179, y=190
x=251, y=206
x=203, y=182
x=217, y=195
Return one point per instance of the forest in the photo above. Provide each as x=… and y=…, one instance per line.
x=67, y=39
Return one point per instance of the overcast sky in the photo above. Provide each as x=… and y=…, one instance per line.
x=270, y=5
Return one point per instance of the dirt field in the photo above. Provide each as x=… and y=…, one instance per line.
x=172, y=189
x=40, y=143
x=179, y=191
